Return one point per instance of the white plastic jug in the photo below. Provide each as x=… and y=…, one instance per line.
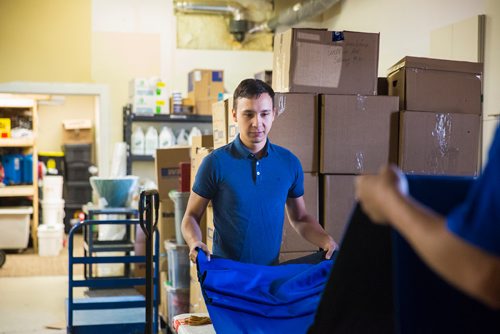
x=182, y=138
x=167, y=137
x=137, y=144
x=151, y=141
x=195, y=131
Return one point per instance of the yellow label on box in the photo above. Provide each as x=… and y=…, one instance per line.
x=4, y=127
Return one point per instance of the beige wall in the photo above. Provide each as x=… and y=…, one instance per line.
x=50, y=119
x=45, y=40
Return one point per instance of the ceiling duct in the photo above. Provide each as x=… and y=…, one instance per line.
x=239, y=25
x=293, y=15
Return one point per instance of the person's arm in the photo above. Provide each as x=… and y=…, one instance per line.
x=470, y=269
x=191, y=231
x=308, y=227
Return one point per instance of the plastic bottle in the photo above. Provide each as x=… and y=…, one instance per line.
x=166, y=138
x=182, y=138
x=138, y=144
x=195, y=131
x=151, y=141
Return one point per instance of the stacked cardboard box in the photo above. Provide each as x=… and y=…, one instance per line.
x=205, y=87
x=331, y=118
x=225, y=129
x=440, y=103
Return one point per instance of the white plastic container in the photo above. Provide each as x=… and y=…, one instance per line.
x=138, y=144
x=178, y=264
x=50, y=239
x=52, y=187
x=166, y=138
x=53, y=211
x=151, y=141
x=15, y=227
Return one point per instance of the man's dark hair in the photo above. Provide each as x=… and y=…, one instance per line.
x=250, y=89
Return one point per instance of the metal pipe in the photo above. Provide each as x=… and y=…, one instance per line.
x=215, y=7
x=294, y=14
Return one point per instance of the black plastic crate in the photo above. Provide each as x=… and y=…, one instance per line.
x=77, y=171
x=77, y=192
x=78, y=152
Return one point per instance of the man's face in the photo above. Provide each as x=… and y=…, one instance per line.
x=255, y=117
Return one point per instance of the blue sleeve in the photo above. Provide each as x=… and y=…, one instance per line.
x=205, y=183
x=477, y=220
x=297, y=187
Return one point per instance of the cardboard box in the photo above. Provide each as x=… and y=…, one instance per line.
x=292, y=241
x=359, y=133
x=197, y=156
x=327, y=62
x=266, y=76
x=225, y=129
x=166, y=227
x=196, y=301
x=296, y=127
x=210, y=227
x=77, y=131
x=163, y=310
x=205, y=84
x=203, y=107
x=167, y=168
x=426, y=84
x=337, y=203
x=439, y=143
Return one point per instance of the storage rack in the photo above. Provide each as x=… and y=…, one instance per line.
x=129, y=118
x=19, y=104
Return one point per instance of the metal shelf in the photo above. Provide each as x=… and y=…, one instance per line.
x=129, y=118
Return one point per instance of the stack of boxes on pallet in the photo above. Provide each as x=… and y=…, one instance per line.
x=440, y=102
x=331, y=118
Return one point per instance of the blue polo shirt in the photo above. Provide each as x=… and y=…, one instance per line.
x=248, y=197
x=477, y=220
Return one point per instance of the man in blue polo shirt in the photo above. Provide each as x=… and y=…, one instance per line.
x=249, y=181
x=464, y=247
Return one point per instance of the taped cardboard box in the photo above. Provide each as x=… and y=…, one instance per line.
x=337, y=203
x=296, y=127
x=205, y=84
x=266, y=76
x=210, y=227
x=427, y=84
x=439, y=143
x=225, y=129
x=292, y=241
x=358, y=133
x=327, y=62
x=77, y=131
x=167, y=168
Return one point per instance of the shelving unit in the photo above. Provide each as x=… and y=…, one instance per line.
x=16, y=105
x=129, y=118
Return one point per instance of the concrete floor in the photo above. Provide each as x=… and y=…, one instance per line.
x=30, y=304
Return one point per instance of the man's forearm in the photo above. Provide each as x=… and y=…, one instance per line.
x=309, y=229
x=191, y=230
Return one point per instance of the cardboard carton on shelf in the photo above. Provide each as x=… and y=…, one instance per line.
x=77, y=131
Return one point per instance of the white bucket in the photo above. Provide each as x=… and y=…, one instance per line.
x=52, y=187
x=53, y=211
x=50, y=239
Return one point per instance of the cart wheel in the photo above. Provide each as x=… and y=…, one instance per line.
x=3, y=256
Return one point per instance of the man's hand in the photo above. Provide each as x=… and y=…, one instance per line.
x=193, y=251
x=330, y=246
x=373, y=191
